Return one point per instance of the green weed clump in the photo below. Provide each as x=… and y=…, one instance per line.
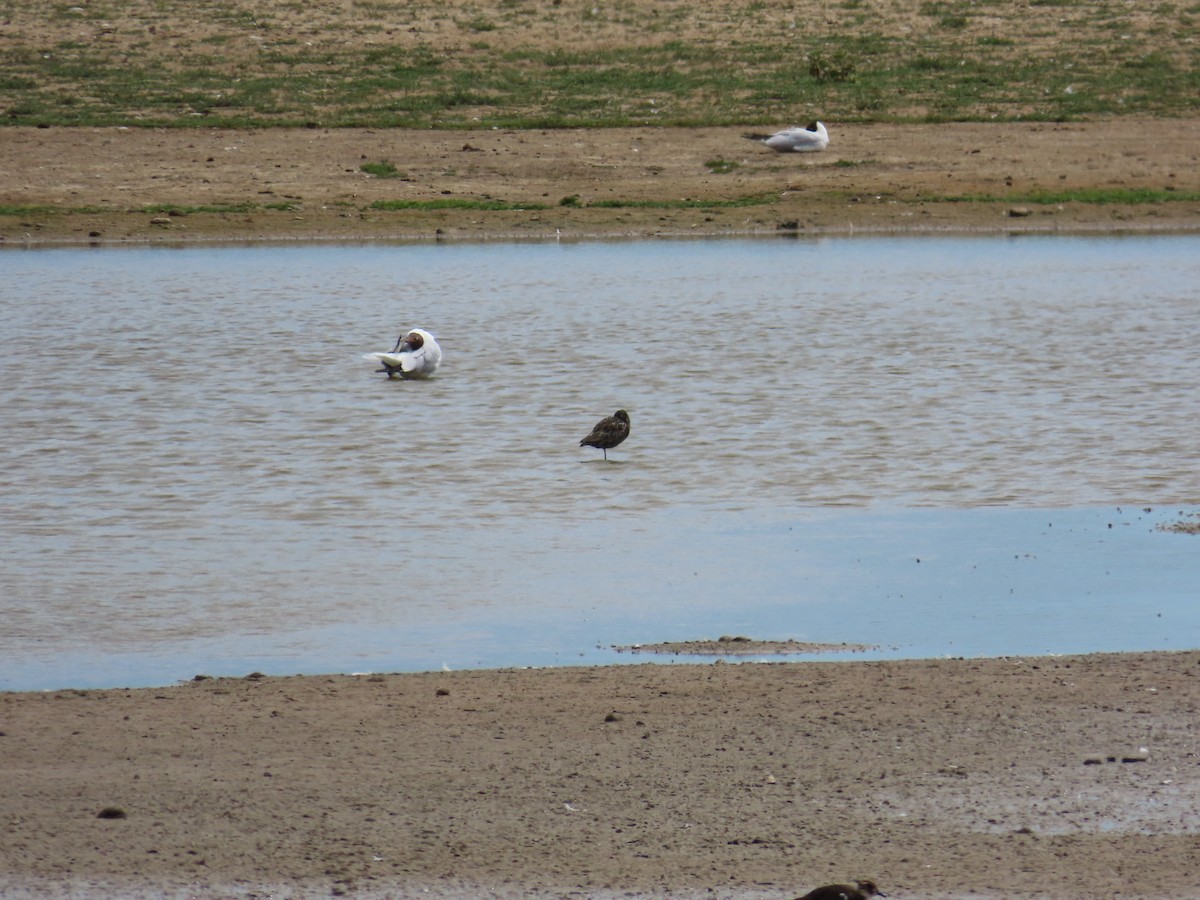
x=1099, y=196
x=382, y=169
x=456, y=203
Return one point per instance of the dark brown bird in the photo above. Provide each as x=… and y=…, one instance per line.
x=608, y=432
x=860, y=890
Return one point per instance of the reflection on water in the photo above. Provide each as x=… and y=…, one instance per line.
x=201, y=473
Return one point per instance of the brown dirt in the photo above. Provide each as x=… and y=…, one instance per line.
x=940, y=778
x=96, y=184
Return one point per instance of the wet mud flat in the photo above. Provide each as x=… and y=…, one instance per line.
x=937, y=778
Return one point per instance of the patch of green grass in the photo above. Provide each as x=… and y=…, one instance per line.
x=947, y=15
x=7, y=209
x=219, y=208
x=837, y=66
x=150, y=210
x=574, y=202
x=370, y=64
x=448, y=203
x=721, y=166
x=1089, y=195
x=216, y=208
x=686, y=203
x=382, y=169
x=479, y=23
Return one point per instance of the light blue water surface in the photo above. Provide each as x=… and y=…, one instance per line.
x=936, y=446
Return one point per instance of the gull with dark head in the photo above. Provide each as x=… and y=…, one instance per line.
x=795, y=140
x=860, y=890
x=609, y=432
x=416, y=355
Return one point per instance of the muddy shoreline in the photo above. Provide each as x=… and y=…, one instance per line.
x=939, y=778
x=153, y=185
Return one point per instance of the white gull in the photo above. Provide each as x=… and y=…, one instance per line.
x=795, y=140
x=416, y=355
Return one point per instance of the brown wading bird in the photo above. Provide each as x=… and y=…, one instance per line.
x=860, y=890
x=608, y=432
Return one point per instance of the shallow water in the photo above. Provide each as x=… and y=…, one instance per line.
x=201, y=474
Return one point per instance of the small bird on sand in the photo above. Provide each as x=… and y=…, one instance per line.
x=609, y=432
x=795, y=140
x=860, y=890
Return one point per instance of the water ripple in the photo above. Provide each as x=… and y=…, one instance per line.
x=194, y=447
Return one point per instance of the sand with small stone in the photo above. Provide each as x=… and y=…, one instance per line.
x=1065, y=777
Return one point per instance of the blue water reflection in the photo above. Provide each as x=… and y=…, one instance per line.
x=915, y=583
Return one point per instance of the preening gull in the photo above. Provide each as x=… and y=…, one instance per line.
x=416, y=355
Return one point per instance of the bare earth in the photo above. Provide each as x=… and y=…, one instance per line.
x=103, y=185
x=1061, y=777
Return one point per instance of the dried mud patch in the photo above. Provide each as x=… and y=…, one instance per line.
x=1188, y=523
x=737, y=645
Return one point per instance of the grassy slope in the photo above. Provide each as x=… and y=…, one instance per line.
x=557, y=63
